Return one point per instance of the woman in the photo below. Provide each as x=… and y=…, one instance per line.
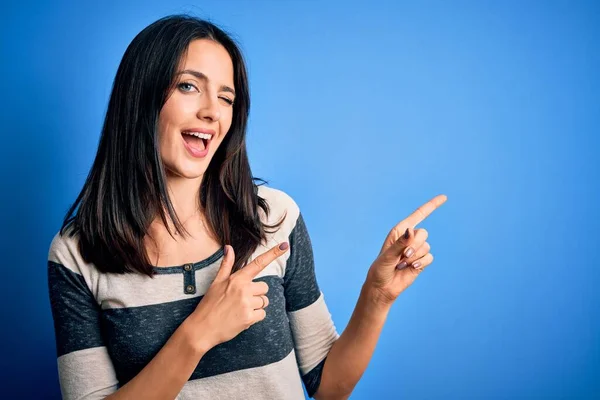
x=174, y=275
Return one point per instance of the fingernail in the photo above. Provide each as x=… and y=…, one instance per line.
x=283, y=246
x=409, y=252
x=416, y=265
x=406, y=234
x=225, y=250
x=403, y=264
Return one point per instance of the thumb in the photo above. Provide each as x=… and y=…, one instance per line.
x=226, y=264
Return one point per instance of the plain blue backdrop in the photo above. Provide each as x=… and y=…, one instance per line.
x=361, y=112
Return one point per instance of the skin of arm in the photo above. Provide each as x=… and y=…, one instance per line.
x=350, y=354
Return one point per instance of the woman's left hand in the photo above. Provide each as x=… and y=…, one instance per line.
x=403, y=255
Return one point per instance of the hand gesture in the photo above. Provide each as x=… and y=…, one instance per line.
x=403, y=255
x=234, y=302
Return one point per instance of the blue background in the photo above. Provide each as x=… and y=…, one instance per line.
x=361, y=112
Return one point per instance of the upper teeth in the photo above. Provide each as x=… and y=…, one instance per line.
x=200, y=135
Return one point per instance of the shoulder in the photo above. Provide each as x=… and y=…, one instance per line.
x=276, y=198
x=280, y=204
x=64, y=252
x=63, y=249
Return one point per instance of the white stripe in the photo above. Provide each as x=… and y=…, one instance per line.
x=86, y=374
x=314, y=333
x=280, y=380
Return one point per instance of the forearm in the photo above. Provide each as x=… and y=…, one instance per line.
x=350, y=354
x=169, y=370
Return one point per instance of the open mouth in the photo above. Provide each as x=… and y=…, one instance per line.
x=197, y=140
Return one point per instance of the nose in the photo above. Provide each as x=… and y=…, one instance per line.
x=209, y=109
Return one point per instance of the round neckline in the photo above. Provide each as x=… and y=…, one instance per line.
x=195, y=265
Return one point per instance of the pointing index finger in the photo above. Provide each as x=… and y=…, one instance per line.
x=425, y=210
x=259, y=263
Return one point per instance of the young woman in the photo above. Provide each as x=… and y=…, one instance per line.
x=174, y=274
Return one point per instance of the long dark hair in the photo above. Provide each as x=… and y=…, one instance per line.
x=126, y=186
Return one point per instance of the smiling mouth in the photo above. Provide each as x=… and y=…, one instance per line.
x=192, y=139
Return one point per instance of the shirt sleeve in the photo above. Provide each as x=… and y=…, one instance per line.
x=84, y=367
x=312, y=327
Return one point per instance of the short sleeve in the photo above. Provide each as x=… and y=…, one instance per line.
x=84, y=367
x=312, y=327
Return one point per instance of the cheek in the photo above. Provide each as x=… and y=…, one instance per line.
x=165, y=132
x=226, y=121
x=165, y=119
x=177, y=109
x=224, y=128
x=169, y=121
x=168, y=133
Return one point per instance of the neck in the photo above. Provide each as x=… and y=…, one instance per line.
x=184, y=194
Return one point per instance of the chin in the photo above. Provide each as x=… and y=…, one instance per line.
x=186, y=171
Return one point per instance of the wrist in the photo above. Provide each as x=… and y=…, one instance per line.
x=375, y=298
x=196, y=336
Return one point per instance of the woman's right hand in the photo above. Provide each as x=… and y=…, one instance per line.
x=233, y=302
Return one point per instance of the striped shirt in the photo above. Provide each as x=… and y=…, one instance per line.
x=109, y=326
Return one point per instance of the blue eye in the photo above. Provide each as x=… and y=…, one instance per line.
x=185, y=86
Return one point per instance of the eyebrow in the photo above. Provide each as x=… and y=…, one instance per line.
x=200, y=75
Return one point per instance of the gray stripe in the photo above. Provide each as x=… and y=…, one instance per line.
x=312, y=380
x=135, y=335
x=301, y=288
x=313, y=330
x=74, y=309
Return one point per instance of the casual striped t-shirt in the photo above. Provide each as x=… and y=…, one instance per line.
x=109, y=326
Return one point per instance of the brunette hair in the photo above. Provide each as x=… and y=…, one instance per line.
x=126, y=187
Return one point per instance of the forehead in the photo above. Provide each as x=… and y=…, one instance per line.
x=211, y=59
